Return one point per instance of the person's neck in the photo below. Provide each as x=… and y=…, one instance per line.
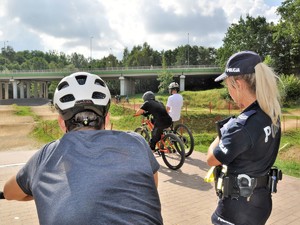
x=248, y=99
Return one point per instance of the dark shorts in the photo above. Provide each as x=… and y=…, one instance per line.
x=256, y=211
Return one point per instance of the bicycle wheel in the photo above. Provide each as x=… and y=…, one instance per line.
x=142, y=131
x=185, y=134
x=172, y=152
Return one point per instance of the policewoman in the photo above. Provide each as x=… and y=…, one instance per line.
x=247, y=145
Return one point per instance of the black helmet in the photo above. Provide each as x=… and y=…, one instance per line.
x=149, y=95
x=79, y=92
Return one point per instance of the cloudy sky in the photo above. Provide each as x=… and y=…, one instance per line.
x=99, y=27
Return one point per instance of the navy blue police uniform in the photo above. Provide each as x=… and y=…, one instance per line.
x=248, y=146
x=161, y=119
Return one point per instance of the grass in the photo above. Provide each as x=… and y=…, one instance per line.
x=22, y=110
x=202, y=110
x=200, y=115
x=47, y=131
x=289, y=167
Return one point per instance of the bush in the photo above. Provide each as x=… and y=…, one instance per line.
x=290, y=90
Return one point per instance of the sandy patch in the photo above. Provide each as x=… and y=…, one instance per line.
x=45, y=112
x=15, y=130
x=293, y=154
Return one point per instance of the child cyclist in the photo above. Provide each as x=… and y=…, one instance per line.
x=161, y=118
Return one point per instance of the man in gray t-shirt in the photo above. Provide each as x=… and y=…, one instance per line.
x=90, y=175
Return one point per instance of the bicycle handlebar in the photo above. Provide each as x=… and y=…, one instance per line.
x=1, y=195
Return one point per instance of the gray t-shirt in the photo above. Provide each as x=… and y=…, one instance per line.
x=94, y=177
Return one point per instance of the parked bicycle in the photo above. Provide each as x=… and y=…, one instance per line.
x=185, y=134
x=170, y=146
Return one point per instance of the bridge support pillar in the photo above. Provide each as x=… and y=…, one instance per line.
x=40, y=88
x=182, y=83
x=28, y=89
x=45, y=89
x=1, y=90
x=122, y=85
x=126, y=86
x=21, y=89
x=15, y=88
x=6, y=85
x=35, y=91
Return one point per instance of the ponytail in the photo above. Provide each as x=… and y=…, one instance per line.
x=267, y=93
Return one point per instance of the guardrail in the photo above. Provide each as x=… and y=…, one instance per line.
x=117, y=69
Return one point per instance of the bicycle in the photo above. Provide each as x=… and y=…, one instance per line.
x=185, y=134
x=170, y=146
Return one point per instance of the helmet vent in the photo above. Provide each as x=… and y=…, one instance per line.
x=100, y=82
x=67, y=98
x=98, y=95
x=62, y=85
x=81, y=79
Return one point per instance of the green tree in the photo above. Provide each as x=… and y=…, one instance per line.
x=253, y=34
x=290, y=90
x=206, y=56
x=38, y=63
x=165, y=77
x=170, y=57
x=287, y=38
x=125, y=57
x=78, y=60
x=142, y=56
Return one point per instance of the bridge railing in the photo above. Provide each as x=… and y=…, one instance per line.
x=190, y=67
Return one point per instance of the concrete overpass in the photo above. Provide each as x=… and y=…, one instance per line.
x=22, y=82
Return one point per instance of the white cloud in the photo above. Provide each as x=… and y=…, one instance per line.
x=234, y=9
x=67, y=26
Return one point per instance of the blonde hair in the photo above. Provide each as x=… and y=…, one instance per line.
x=264, y=85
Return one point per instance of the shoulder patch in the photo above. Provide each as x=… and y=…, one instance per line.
x=241, y=119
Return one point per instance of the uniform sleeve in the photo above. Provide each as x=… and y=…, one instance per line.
x=234, y=142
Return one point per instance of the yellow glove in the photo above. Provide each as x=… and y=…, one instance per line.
x=210, y=175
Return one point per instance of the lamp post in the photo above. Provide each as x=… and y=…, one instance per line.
x=4, y=50
x=4, y=43
x=91, y=47
x=188, y=61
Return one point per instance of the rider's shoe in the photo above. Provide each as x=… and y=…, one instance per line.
x=156, y=152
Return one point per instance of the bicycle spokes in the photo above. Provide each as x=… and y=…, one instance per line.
x=173, y=151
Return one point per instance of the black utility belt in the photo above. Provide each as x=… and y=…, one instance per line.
x=242, y=185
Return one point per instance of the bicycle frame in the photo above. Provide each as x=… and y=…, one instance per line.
x=170, y=146
x=146, y=121
x=177, y=130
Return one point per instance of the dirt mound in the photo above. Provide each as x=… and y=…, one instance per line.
x=15, y=130
x=25, y=101
x=45, y=112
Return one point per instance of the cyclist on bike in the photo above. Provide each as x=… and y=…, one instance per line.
x=91, y=175
x=175, y=102
x=161, y=118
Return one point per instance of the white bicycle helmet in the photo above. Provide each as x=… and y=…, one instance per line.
x=79, y=92
x=174, y=85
